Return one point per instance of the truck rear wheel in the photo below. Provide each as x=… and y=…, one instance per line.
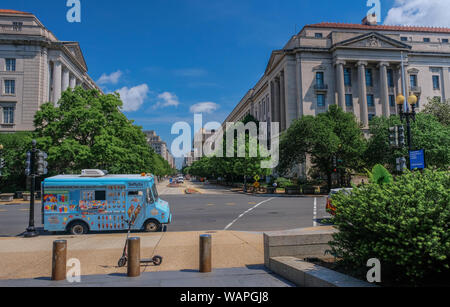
x=152, y=226
x=78, y=228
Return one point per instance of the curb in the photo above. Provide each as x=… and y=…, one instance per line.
x=305, y=274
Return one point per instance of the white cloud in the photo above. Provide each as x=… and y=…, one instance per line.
x=433, y=13
x=134, y=97
x=204, y=107
x=112, y=78
x=167, y=100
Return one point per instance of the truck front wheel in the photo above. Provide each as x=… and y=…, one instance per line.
x=152, y=226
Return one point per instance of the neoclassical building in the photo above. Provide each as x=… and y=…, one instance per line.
x=356, y=66
x=35, y=67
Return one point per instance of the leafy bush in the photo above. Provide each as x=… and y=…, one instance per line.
x=404, y=224
x=380, y=175
x=283, y=183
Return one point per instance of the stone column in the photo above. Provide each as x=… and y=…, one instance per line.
x=363, y=94
x=384, y=89
x=340, y=84
x=65, y=79
x=73, y=81
x=57, y=76
x=445, y=83
x=276, y=105
x=282, y=102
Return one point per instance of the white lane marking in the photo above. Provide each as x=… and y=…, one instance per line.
x=315, y=213
x=248, y=211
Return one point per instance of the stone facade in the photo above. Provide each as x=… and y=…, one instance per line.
x=35, y=67
x=160, y=147
x=354, y=66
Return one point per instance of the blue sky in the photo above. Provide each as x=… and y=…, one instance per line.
x=166, y=56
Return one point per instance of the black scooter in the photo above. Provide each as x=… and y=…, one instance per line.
x=157, y=260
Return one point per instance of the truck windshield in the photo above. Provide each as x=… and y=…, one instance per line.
x=155, y=192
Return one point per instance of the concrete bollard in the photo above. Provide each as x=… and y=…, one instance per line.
x=59, y=260
x=205, y=254
x=134, y=257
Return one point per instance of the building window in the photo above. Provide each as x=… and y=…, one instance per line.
x=404, y=39
x=392, y=101
x=319, y=79
x=8, y=115
x=10, y=87
x=426, y=40
x=17, y=26
x=369, y=78
x=318, y=35
x=321, y=100
x=445, y=40
x=436, y=83
x=413, y=80
x=370, y=101
x=349, y=100
x=371, y=116
x=348, y=76
x=10, y=64
x=390, y=77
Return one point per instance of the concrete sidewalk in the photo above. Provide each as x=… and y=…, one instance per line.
x=251, y=276
x=22, y=258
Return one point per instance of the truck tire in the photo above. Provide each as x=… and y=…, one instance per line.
x=152, y=226
x=78, y=228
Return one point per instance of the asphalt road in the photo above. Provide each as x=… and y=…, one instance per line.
x=231, y=211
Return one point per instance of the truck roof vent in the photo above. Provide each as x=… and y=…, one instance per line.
x=92, y=173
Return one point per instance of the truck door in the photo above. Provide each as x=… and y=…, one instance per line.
x=136, y=208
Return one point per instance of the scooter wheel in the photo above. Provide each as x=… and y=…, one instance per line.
x=122, y=262
x=157, y=260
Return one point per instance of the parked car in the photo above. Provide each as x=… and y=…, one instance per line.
x=330, y=208
x=180, y=180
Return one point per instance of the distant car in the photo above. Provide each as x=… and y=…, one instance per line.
x=180, y=180
x=330, y=208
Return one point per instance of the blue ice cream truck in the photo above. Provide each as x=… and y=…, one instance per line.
x=95, y=201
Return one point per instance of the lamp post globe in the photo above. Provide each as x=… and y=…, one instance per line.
x=412, y=100
x=400, y=99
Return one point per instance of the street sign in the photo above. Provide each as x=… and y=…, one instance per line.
x=417, y=159
x=257, y=178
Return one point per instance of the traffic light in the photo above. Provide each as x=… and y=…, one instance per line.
x=41, y=163
x=393, y=137
x=28, y=169
x=401, y=136
x=401, y=164
x=335, y=164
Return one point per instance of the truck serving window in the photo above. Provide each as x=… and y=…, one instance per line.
x=100, y=195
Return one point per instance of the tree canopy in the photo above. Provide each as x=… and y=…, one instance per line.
x=88, y=130
x=331, y=136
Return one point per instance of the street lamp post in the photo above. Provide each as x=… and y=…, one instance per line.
x=408, y=114
x=31, y=230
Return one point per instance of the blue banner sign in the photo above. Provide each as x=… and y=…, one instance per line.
x=417, y=159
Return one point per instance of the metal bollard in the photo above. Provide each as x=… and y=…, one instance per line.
x=134, y=257
x=205, y=253
x=59, y=260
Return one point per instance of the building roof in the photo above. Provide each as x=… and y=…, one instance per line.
x=336, y=25
x=3, y=11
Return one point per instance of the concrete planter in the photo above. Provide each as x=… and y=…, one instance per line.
x=270, y=190
x=26, y=196
x=6, y=198
x=292, y=191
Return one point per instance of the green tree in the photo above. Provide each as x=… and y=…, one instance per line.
x=15, y=147
x=88, y=130
x=427, y=133
x=439, y=109
x=326, y=137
